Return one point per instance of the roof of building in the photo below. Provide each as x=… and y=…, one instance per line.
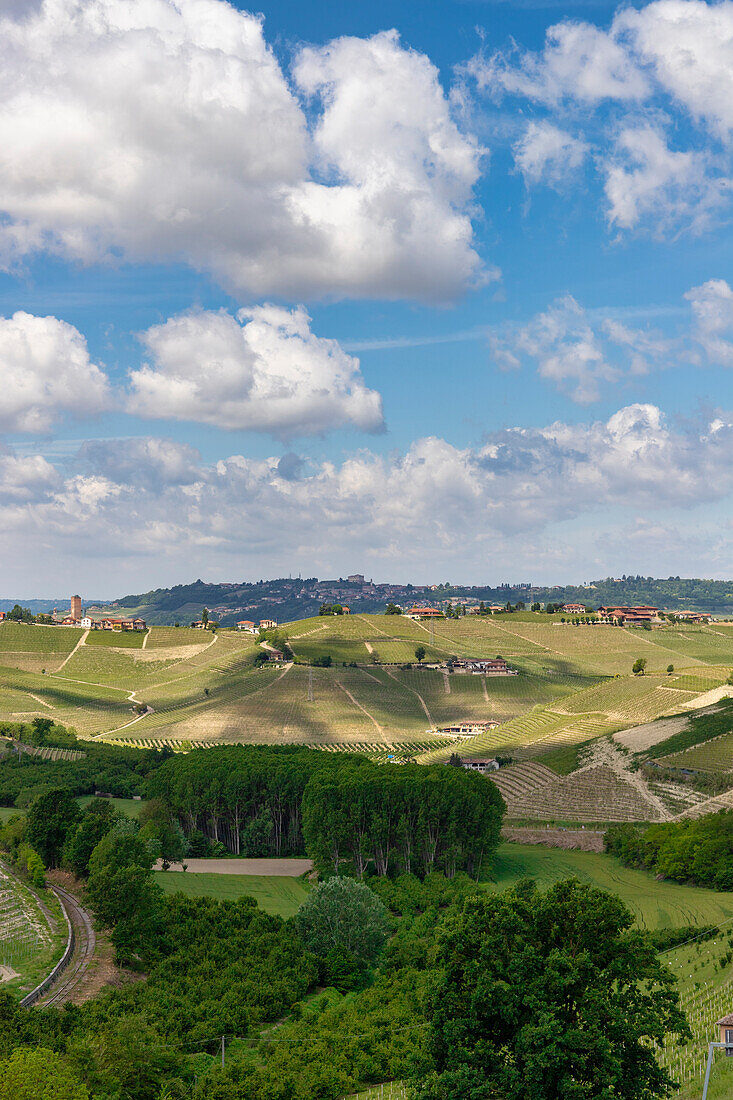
x=726, y=1021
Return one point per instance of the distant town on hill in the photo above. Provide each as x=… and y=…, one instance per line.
x=289, y=598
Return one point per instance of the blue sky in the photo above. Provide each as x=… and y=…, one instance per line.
x=424, y=291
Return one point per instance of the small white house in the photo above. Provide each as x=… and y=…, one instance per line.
x=87, y=623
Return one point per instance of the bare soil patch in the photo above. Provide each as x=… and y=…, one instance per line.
x=643, y=737
x=289, y=868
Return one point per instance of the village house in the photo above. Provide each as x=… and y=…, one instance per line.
x=480, y=765
x=574, y=608
x=692, y=616
x=424, y=613
x=488, y=666
x=467, y=728
x=267, y=624
x=247, y=625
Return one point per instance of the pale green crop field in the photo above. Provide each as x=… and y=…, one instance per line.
x=203, y=687
x=275, y=894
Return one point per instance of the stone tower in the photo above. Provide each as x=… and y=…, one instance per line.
x=76, y=607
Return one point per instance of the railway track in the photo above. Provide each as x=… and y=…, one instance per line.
x=85, y=942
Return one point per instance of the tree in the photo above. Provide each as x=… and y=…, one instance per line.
x=548, y=997
x=41, y=727
x=98, y=819
x=205, y=618
x=19, y=614
x=420, y=653
x=670, y=669
x=639, y=666
x=393, y=609
x=50, y=820
x=342, y=912
x=39, y=1074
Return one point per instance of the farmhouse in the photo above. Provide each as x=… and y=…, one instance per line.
x=118, y=624
x=247, y=625
x=641, y=614
x=480, y=765
x=467, y=728
x=2, y=615
x=692, y=616
x=267, y=624
x=489, y=666
x=424, y=613
x=574, y=608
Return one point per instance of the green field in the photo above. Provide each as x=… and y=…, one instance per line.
x=574, y=683
x=274, y=893
x=129, y=806
x=654, y=904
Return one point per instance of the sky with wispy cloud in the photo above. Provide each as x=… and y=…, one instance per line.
x=427, y=292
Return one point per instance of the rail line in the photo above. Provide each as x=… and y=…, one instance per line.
x=85, y=944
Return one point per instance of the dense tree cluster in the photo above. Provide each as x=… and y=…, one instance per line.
x=547, y=996
x=699, y=850
x=117, y=770
x=344, y=812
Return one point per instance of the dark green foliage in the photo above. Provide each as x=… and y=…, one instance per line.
x=342, y=913
x=698, y=850
x=116, y=770
x=282, y=801
x=98, y=819
x=124, y=896
x=547, y=997
x=50, y=820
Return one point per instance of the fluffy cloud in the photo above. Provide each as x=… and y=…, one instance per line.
x=688, y=44
x=517, y=481
x=165, y=130
x=25, y=479
x=666, y=58
x=646, y=179
x=577, y=351
x=712, y=306
x=263, y=370
x=579, y=62
x=545, y=153
x=46, y=371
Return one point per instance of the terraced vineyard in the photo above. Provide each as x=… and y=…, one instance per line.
x=29, y=942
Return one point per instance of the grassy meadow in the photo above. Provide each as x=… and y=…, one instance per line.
x=275, y=894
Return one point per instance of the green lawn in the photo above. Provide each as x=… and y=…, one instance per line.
x=273, y=893
x=654, y=904
x=129, y=806
x=6, y=812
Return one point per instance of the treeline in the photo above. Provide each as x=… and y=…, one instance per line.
x=698, y=851
x=122, y=772
x=342, y=811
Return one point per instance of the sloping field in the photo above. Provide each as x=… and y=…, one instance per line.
x=275, y=894
x=592, y=794
x=170, y=637
x=654, y=904
x=712, y=756
x=116, y=639
x=34, y=648
x=518, y=781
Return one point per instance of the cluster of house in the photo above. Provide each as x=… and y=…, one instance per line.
x=249, y=627
x=76, y=617
x=643, y=613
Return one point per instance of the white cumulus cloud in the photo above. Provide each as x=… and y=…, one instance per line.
x=545, y=153
x=166, y=130
x=712, y=307
x=262, y=370
x=45, y=372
